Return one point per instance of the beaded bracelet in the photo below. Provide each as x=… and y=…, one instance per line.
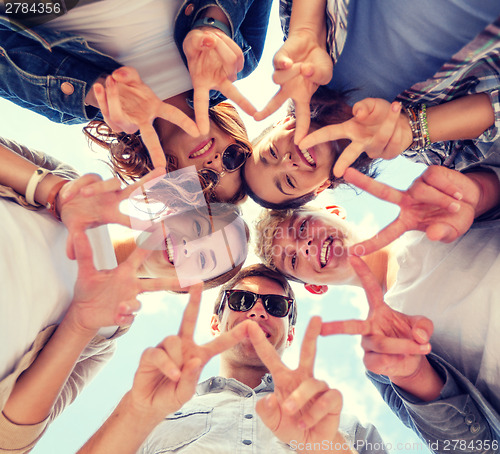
x=52, y=199
x=417, y=119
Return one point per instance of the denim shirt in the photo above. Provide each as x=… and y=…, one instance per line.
x=459, y=420
x=221, y=418
x=51, y=72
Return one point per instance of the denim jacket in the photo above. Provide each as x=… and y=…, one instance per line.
x=459, y=420
x=51, y=72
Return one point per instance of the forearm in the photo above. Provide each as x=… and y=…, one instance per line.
x=16, y=171
x=124, y=431
x=309, y=16
x=425, y=383
x=37, y=389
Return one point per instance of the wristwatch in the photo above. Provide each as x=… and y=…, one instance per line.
x=211, y=22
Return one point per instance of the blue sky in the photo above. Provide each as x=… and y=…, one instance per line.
x=339, y=360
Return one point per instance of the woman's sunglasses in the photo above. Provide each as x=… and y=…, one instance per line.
x=243, y=301
x=233, y=157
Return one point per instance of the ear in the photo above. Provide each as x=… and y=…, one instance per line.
x=215, y=325
x=316, y=289
x=291, y=336
x=337, y=210
x=325, y=185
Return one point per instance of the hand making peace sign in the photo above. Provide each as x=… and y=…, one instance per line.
x=441, y=203
x=301, y=408
x=168, y=374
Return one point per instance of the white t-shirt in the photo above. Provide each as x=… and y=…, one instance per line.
x=37, y=279
x=457, y=286
x=137, y=33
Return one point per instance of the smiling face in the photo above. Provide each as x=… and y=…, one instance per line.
x=277, y=329
x=312, y=246
x=204, y=152
x=194, y=247
x=278, y=171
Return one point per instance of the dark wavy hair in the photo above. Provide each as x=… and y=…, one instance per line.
x=327, y=107
x=129, y=158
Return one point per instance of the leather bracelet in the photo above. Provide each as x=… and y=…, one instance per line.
x=52, y=199
x=211, y=22
x=38, y=175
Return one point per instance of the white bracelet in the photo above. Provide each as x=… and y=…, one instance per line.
x=38, y=175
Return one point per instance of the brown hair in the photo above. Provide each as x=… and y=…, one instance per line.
x=259, y=270
x=129, y=158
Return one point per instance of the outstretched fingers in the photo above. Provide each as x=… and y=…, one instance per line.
x=308, y=349
x=267, y=353
x=190, y=316
x=369, y=282
x=272, y=106
x=351, y=327
x=179, y=118
x=231, y=92
x=83, y=253
x=302, y=120
x=373, y=187
x=227, y=339
x=386, y=236
x=152, y=142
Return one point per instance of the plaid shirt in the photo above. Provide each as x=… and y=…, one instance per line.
x=474, y=69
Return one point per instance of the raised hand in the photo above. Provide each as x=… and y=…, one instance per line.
x=300, y=66
x=168, y=374
x=395, y=344
x=441, y=202
x=214, y=61
x=128, y=104
x=377, y=128
x=89, y=202
x=107, y=297
x=301, y=408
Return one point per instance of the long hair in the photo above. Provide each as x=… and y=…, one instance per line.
x=130, y=160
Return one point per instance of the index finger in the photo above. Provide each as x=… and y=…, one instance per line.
x=308, y=349
x=272, y=106
x=369, y=282
x=386, y=236
x=179, y=118
x=227, y=339
x=190, y=315
x=231, y=92
x=373, y=187
x=153, y=145
x=201, y=106
x=267, y=353
x=347, y=157
x=324, y=134
x=83, y=252
x=351, y=327
x=302, y=120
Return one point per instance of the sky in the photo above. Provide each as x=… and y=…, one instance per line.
x=339, y=359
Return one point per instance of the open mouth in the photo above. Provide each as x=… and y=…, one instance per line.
x=326, y=251
x=202, y=149
x=169, y=251
x=308, y=157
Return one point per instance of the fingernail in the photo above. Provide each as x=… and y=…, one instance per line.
x=458, y=195
x=174, y=374
x=454, y=207
x=422, y=334
x=425, y=348
x=396, y=107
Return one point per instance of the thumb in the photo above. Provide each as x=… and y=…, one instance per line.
x=126, y=75
x=422, y=329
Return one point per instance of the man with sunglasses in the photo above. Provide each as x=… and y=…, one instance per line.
x=244, y=409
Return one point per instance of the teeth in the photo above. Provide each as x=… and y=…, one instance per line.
x=170, y=249
x=202, y=150
x=325, y=251
x=308, y=157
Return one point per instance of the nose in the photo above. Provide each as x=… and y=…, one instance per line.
x=214, y=162
x=258, y=311
x=305, y=248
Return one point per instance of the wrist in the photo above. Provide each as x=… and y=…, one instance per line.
x=488, y=186
x=218, y=14
x=137, y=409
x=72, y=324
x=310, y=35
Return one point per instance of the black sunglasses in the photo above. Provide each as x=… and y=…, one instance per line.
x=243, y=301
x=233, y=157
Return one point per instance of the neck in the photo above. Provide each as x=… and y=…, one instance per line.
x=383, y=265
x=248, y=375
